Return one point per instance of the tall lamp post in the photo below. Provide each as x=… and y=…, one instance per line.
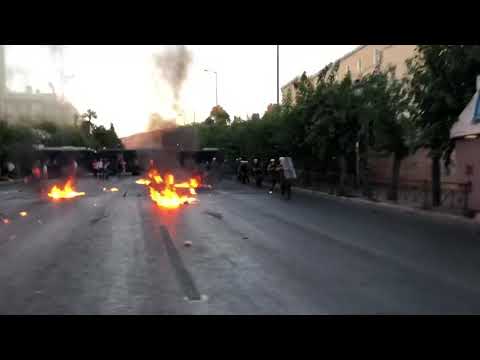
x=216, y=84
x=278, y=75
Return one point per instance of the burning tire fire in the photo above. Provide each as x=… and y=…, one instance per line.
x=67, y=192
x=166, y=193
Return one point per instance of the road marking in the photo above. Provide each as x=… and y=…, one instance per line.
x=184, y=277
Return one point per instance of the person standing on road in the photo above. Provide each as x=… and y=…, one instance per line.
x=272, y=173
x=45, y=170
x=100, y=168
x=257, y=172
x=37, y=175
x=106, y=169
x=244, y=172
x=285, y=183
x=74, y=168
x=94, y=167
x=10, y=169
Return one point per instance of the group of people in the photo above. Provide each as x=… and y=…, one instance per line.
x=40, y=169
x=274, y=171
x=101, y=168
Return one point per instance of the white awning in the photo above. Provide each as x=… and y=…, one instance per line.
x=469, y=120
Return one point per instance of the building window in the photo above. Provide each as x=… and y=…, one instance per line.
x=376, y=56
x=359, y=65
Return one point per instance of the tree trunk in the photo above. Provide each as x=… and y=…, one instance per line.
x=393, y=193
x=436, y=184
x=343, y=170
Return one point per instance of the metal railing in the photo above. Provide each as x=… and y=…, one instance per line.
x=455, y=195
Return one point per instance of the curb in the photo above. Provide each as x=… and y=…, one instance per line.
x=13, y=182
x=399, y=208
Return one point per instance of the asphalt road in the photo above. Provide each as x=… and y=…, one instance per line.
x=251, y=253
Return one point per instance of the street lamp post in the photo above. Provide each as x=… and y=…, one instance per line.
x=278, y=75
x=216, y=85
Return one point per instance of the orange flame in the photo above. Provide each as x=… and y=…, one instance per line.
x=143, y=182
x=67, y=192
x=164, y=192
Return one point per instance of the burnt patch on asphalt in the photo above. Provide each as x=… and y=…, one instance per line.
x=214, y=214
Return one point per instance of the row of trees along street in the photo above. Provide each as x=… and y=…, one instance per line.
x=17, y=138
x=331, y=121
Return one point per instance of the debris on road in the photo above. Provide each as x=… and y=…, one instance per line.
x=214, y=214
x=187, y=243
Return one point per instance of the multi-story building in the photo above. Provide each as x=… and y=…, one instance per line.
x=363, y=60
x=30, y=105
x=416, y=167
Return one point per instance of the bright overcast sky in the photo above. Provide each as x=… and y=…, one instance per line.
x=118, y=81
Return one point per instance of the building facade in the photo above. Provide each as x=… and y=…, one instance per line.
x=362, y=61
x=31, y=105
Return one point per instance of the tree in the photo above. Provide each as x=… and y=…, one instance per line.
x=209, y=121
x=237, y=120
x=88, y=124
x=334, y=121
x=442, y=81
x=386, y=104
x=255, y=117
x=106, y=138
x=219, y=115
x=90, y=114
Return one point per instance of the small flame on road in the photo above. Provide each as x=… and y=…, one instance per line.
x=143, y=182
x=67, y=192
x=6, y=221
x=23, y=213
x=164, y=192
x=113, y=189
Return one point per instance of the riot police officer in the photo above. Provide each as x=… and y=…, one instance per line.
x=257, y=172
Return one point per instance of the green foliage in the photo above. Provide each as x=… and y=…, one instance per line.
x=89, y=115
x=442, y=81
x=17, y=138
x=219, y=116
x=106, y=138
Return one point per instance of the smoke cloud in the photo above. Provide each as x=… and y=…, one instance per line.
x=173, y=65
x=157, y=122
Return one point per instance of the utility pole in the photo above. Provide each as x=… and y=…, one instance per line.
x=278, y=75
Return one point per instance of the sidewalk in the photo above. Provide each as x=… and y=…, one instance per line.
x=10, y=182
x=433, y=213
